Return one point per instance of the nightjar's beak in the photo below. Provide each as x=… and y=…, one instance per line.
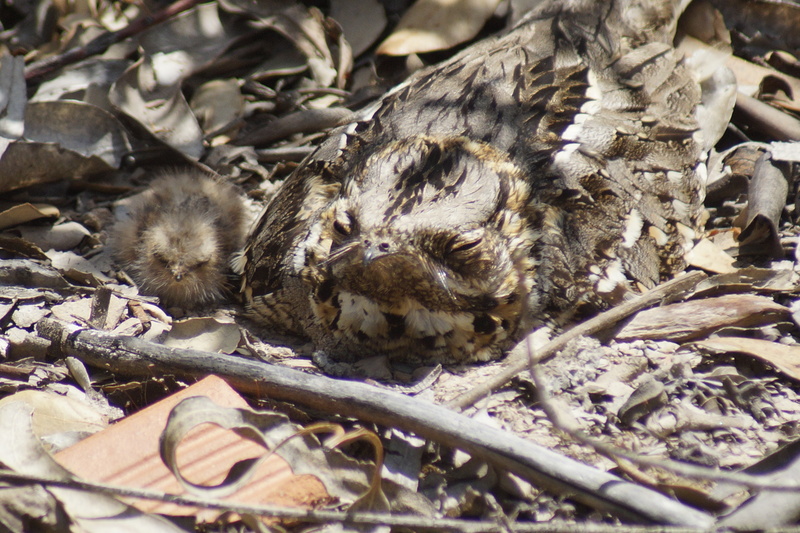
x=374, y=251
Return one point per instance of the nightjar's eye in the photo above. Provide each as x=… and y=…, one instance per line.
x=343, y=225
x=341, y=229
x=461, y=245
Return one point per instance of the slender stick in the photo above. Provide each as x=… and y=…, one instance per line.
x=35, y=71
x=656, y=295
x=543, y=467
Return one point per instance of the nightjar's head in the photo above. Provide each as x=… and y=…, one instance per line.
x=426, y=251
x=179, y=259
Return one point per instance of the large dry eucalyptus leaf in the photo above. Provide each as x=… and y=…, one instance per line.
x=22, y=452
x=772, y=22
x=696, y=318
x=65, y=236
x=30, y=163
x=766, y=198
x=63, y=139
x=81, y=128
x=780, y=356
x=87, y=81
x=160, y=108
x=218, y=103
x=12, y=99
x=58, y=413
x=305, y=29
x=22, y=213
x=204, y=333
x=362, y=22
x=186, y=43
x=431, y=25
x=344, y=478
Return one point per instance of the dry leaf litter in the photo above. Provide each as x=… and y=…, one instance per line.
x=211, y=84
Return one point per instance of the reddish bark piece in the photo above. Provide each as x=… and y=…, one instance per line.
x=126, y=454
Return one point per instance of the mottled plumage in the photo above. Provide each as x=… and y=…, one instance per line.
x=177, y=239
x=553, y=167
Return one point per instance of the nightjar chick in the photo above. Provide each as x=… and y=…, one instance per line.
x=179, y=236
x=555, y=167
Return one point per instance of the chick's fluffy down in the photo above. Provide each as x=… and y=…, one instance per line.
x=178, y=238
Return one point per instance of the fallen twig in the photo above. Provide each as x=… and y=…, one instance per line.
x=101, y=43
x=665, y=291
x=766, y=119
x=543, y=467
x=416, y=523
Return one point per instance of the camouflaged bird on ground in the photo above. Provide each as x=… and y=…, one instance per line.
x=556, y=167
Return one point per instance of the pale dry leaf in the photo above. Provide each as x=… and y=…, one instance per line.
x=160, y=109
x=431, y=25
x=710, y=257
x=785, y=151
x=362, y=22
x=22, y=213
x=88, y=81
x=28, y=314
x=304, y=28
x=697, y=318
x=343, y=478
x=75, y=267
x=61, y=237
x=766, y=198
x=217, y=103
x=187, y=42
x=204, y=333
x=785, y=358
x=80, y=128
x=75, y=310
x=57, y=413
x=12, y=99
x=21, y=451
